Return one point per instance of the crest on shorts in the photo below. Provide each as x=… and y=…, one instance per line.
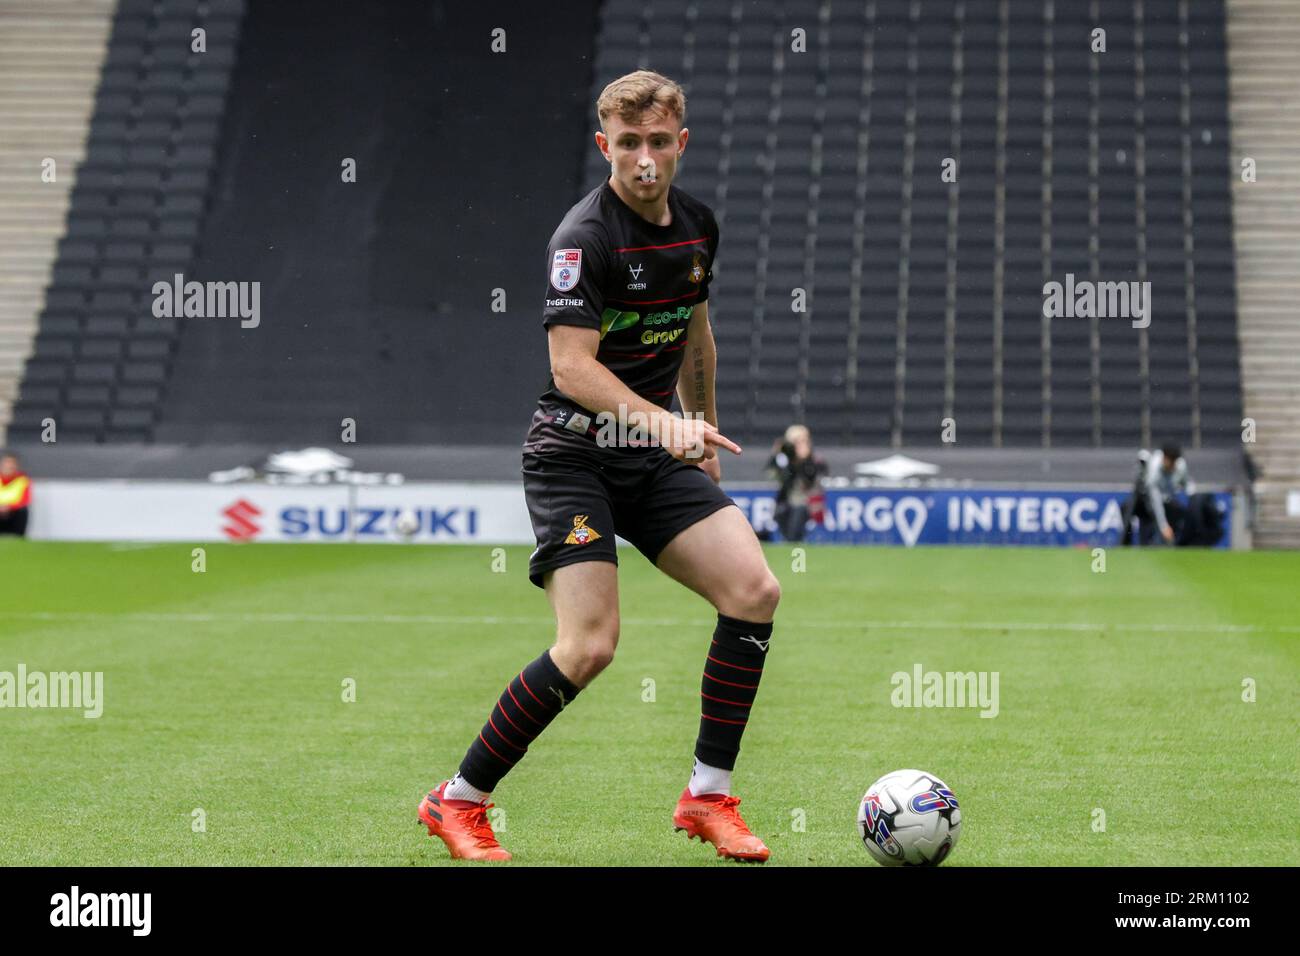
x=566, y=266
x=581, y=534
x=697, y=270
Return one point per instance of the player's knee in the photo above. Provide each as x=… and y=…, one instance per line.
x=756, y=598
x=768, y=596
x=590, y=659
x=589, y=649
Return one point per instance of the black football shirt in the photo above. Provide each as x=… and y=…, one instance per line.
x=635, y=282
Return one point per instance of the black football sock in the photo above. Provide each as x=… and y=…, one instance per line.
x=530, y=702
x=732, y=670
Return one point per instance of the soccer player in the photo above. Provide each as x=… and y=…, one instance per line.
x=627, y=322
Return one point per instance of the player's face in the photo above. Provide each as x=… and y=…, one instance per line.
x=643, y=155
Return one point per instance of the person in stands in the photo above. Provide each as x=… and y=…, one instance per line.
x=15, y=496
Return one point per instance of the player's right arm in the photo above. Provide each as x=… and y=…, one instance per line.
x=582, y=377
x=579, y=262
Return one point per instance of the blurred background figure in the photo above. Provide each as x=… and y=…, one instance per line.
x=15, y=497
x=798, y=469
x=1161, y=476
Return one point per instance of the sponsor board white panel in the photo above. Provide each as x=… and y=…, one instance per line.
x=487, y=513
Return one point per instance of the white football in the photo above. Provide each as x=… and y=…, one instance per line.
x=909, y=818
x=406, y=524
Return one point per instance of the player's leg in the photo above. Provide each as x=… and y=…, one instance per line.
x=692, y=531
x=585, y=600
x=575, y=561
x=719, y=558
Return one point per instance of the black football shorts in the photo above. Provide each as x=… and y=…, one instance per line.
x=579, y=499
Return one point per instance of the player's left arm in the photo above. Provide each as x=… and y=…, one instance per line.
x=695, y=380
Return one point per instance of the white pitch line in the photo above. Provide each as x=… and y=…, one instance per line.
x=295, y=618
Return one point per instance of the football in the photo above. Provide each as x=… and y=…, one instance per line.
x=406, y=524
x=909, y=818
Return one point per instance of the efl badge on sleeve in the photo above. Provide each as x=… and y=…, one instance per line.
x=581, y=534
x=565, y=269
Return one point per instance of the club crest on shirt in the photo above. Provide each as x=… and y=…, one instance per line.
x=566, y=266
x=581, y=534
x=697, y=270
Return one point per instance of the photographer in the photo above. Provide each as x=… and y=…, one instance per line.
x=1161, y=476
x=798, y=470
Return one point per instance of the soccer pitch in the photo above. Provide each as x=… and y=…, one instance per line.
x=1121, y=735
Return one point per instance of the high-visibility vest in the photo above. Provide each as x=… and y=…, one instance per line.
x=16, y=492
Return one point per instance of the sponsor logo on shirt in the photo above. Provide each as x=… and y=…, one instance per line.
x=636, y=283
x=671, y=316
x=615, y=321
x=564, y=303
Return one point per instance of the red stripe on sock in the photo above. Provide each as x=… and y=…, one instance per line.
x=530, y=690
x=513, y=724
x=503, y=736
x=729, y=683
x=756, y=670
x=721, y=721
x=721, y=701
x=494, y=753
x=521, y=707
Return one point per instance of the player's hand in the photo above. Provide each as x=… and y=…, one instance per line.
x=694, y=441
x=713, y=468
x=1168, y=534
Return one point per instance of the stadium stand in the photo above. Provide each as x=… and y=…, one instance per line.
x=1263, y=37
x=378, y=294
x=51, y=52
x=924, y=297
x=101, y=358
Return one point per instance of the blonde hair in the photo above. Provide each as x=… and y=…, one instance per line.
x=795, y=432
x=632, y=95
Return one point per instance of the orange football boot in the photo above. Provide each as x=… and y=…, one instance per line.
x=713, y=818
x=462, y=825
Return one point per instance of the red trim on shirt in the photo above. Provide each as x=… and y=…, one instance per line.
x=669, y=245
x=652, y=301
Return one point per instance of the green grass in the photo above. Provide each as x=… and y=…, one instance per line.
x=223, y=691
